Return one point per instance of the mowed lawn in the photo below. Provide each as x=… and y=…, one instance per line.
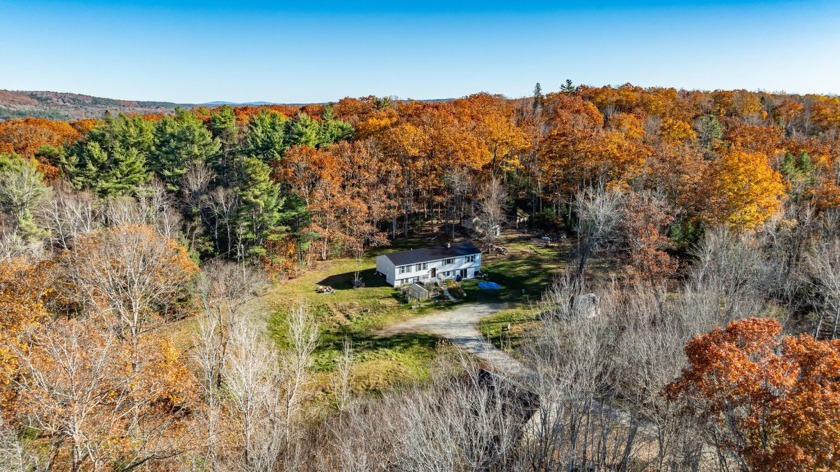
x=358, y=314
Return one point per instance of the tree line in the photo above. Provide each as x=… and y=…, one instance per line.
x=715, y=347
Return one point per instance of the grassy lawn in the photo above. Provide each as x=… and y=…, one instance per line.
x=505, y=329
x=357, y=314
x=524, y=273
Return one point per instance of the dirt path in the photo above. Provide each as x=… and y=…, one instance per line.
x=459, y=326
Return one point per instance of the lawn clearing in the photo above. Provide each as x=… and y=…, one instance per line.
x=358, y=314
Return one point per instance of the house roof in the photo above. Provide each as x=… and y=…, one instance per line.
x=426, y=254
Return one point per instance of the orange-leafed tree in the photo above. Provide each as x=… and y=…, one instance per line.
x=24, y=288
x=676, y=132
x=762, y=139
x=646, y=218
x=130, y=275
x=91, y=404
x=745, y=191
x=26, y=136
x=490, y=118
x=771, y=402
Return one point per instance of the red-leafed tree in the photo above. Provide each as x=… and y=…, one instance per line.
x=771, y=402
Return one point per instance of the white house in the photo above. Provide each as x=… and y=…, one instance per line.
x=452, y=261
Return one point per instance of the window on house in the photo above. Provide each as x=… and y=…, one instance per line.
x=403, y=269
x=448, y=261
x=419, y=267
x=425, y=265
x=471, y=258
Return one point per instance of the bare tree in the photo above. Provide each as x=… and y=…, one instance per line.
x=600, y=375
x=261, y=396
x=194, y=188
x=129, y=274
x=730, y=278
x=70, y=214
x=467, y=421
x=94, y=405
x=222, y=204
x=255, y=387
x=224, y=289
x=491, y=209
x=341, y=380
x=458, y=182
x=152, y=207
x=12, y=456
x=210, y=361
x=824, y=268
x=302, y=334
x=72, y=366
x=12, y=245
x=598, y=216
x=196, y=181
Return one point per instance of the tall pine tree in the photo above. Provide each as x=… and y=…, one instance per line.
x=112, y=160
x=179, y=141
x=260, y=206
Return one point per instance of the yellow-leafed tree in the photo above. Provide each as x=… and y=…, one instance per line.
x=745, y=190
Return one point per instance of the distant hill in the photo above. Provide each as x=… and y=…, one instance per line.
x=237, y=104
x=72, y=106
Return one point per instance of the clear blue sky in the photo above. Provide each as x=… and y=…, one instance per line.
x=192, y=51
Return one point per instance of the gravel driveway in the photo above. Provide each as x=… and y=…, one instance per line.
x=459, y=326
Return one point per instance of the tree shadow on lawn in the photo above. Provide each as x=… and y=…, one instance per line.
x=401, y=244
x=345, y=281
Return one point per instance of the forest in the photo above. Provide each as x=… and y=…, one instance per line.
x=716, y=339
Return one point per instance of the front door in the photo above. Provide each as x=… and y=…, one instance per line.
x=434, y=272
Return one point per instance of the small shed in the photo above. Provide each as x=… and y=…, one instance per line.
x=416, y=292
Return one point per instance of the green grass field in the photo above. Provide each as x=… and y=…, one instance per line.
x=358, y=314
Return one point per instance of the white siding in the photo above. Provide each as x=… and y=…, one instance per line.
x=442, y=270
x=385, y=266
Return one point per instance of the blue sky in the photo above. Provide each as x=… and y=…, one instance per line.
x=197, y=51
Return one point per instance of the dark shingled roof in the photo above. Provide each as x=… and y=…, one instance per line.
x=432, y=253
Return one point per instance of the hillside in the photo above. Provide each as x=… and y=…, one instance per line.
x=71, y=106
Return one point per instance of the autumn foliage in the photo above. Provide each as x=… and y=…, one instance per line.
x=772, y=400
x=78, y=362
x=705, y=206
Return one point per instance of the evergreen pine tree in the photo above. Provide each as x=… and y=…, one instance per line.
x=538, y=97
x=265, y=138
x=260, y=206
x=332, y=130
x=303, y=130
x=22, y=191
x=226, y=130
x=178, y=141
x=112, y=160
